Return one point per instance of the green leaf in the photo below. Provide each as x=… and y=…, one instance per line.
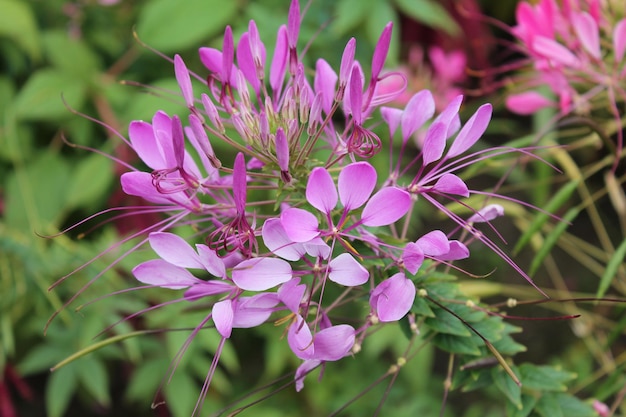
x=548, y=406
x=611, y=269
x=181, y=394
x=42, y=96
x=145, y=380
x=94, y=379
x=60, y=389
x=421, y=307
x=349, y=14
x=444, y=322
x=528, y=405
x=429, y=12
x=17, y=22
x=143, y=104
x=552, y=239
x=544, y=378
x=171, y=25
x=507, y=386
x=92, y=176
x=573, y=407
x=553, y=205
x=456, y=344
x=72, y=56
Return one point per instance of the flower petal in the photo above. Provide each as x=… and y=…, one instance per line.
x=300, y=339
x=527, y=103
x=255, y=310
x=223, y=315
x=291, y=294
x=345, y=270
x=619, y=40
x=321, y=192
x=393, y=298
x=434, y=243
x=175, y=250
x=299, y=224
x=385, y=207
x=333, y=343
x=434, y=143
x=277, y=241
x=451, y=184
x=420, y=108
x=356, y=183
x=260, y=274
x=412, y=257
x=303, y=370
x=163, y=274
x=471, y=131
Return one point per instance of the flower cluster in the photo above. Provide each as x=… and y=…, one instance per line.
x=301, y=207
x=577, y=49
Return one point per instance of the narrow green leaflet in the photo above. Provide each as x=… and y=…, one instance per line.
x=552, y=239
x=60, y=389
x=507, y=386
x=611, y=269
x=544, y=378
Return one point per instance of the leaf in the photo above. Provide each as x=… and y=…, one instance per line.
x=143, y=104
x=94, y=379
x=145, y=380
x=444, y=322
x=170, y=25
x=554, y=204
x=60, y=389
x=89, y=181
x=429, y=12
x=42, y=96
x=72, y=56
x=573, y=407
x=611, y=269
x=544, y=378
x=456, y=344
x=18, y=23
x=181, y=394
x=548, y=406
x=507, y=386
x=421, y=307
x=528, y=405
x=552, y=239
x=349, y=15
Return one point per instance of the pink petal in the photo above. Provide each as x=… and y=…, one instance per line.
x=144, y=144
x=293, y=23
x=434, y=143
x=356, y=183
x=208, y=288
x=279, y=60
x=487, y=213
x=163, y=274
x=457, y=251
x=246, y=62
x=471, y=131
x=260, y=274
x=333, y=343
x=183, y=79
x=381, y=50
x=450, y=116
x=619, y=40
x=140, y=184
x=420, y=108
x=393, y=298
x=277, y=241
x=303, y=370
x=586, y=29
x=211, y=261
x=239, y=183
x=291, y=294
x=527, y=103
x=300, y=339
x=175, y=250
x=356, y=94
x=392, y=117
x=255, y=310
x=412, y=257
x=347, y=59
x=317, y=248
x=228, y=55
x=451, y=184
x=212, y=60
x=223, y=315
x=321, y=192
x=325, y=83
x=345, y=270
x=434, y=243
x=299, y=224
x=385, y=207
x=282, y=150
x=554, y=51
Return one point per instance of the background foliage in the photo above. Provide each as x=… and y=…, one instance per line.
x=59, y=58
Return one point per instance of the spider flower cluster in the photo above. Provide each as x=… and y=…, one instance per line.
x=577, y=50
x=301, y=208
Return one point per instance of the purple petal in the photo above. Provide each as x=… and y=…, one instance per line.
x=178, y=141
x=277, y=241
x=325, y=83
x=381, y=50
x=211, y=261
x=255, y=310
x=487, y=213
x=163, y=274
x=303, y=370
x=619, y=40
x=356, y=183
x=345, y=270
x=412, y=257
x=293, y=23
x=392, y=117
x=554, y=51
x=420, y=108
x=282, y=150
x=393, y=298
x=291, y=294
x=183, y=79
x=208, y=288
x=246, y=62
x=434, y=143
x=434, y=243
x=527, y=103
x=279, y=60
x=223, y=315
x=457, y=251
x=144, y=144
x=450, y=116
x=239, y=183
x=321, y=192
x=385, y=207
x=317, y=248
x=347, y=59
x=333, y=343
x=260, y=274
x=299, y=224
x=228, y=54
x=175, y=250
x=471, y=131
x=451, y=184
x=300, y=339
x=586, y=29
x=212, y=59
x=140, y=184
x=356, y=94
